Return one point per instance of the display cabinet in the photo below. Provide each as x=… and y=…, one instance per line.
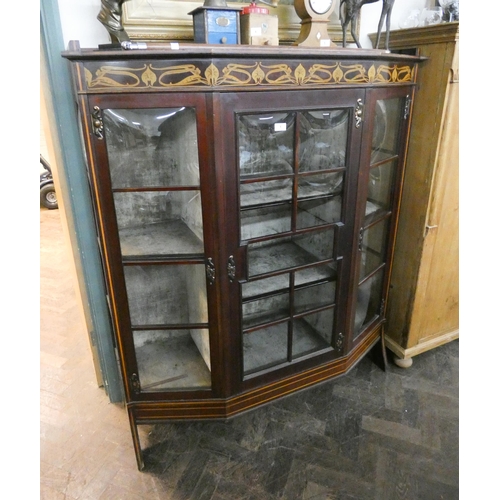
x=246, y=201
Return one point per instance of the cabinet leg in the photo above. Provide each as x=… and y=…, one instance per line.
x=403, y=363
x=135, y=439
x=382, y=344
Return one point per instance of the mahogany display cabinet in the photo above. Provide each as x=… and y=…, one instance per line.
x=246, y=201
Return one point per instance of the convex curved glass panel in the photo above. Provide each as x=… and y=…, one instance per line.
x=378, y=212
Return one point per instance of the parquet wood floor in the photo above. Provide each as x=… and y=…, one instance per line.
x=368, y=435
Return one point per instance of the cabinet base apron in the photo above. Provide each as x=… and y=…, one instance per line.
x=147, y=413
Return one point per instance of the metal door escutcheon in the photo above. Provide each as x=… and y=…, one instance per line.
x=97, y=123
x=358, y=113
x=210, y=271
x=231, y=268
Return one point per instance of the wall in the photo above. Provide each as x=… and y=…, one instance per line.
x=78, y=19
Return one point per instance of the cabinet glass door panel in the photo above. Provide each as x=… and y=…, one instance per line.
x=385, y=141
x=270, y=308
x=323, y=139
x=313, y=186
x=316, y=275
x=265, y=221
x=254, y=194
x=314, y=296
x=302, y=249
x=266, y=144
x=310, y=276
x=318, y=212
x=259, y=288
x=159, y=222
x=166, y=294
x=312, y=333
x=265, y=348
x=292, y=178
x=152, y=147
x=172, y=359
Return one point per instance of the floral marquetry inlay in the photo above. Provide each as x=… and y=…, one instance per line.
x=152, y=75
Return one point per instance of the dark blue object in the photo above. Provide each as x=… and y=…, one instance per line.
x=216, y=25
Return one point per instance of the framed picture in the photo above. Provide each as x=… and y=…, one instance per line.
x=170, y=20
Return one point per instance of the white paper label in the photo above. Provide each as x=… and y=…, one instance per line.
x=324, y=43
x=279, y=127
x=174, y=46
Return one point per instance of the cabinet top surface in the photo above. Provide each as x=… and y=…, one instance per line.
x=206, y=51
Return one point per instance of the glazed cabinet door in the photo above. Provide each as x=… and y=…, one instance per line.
x=291, y=175
x=384, y=145
x=152, y=190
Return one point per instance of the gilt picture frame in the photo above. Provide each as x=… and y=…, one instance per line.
x=170, y=21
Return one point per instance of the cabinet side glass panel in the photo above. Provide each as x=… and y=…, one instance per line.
x=154, y=171
x=377, y=219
